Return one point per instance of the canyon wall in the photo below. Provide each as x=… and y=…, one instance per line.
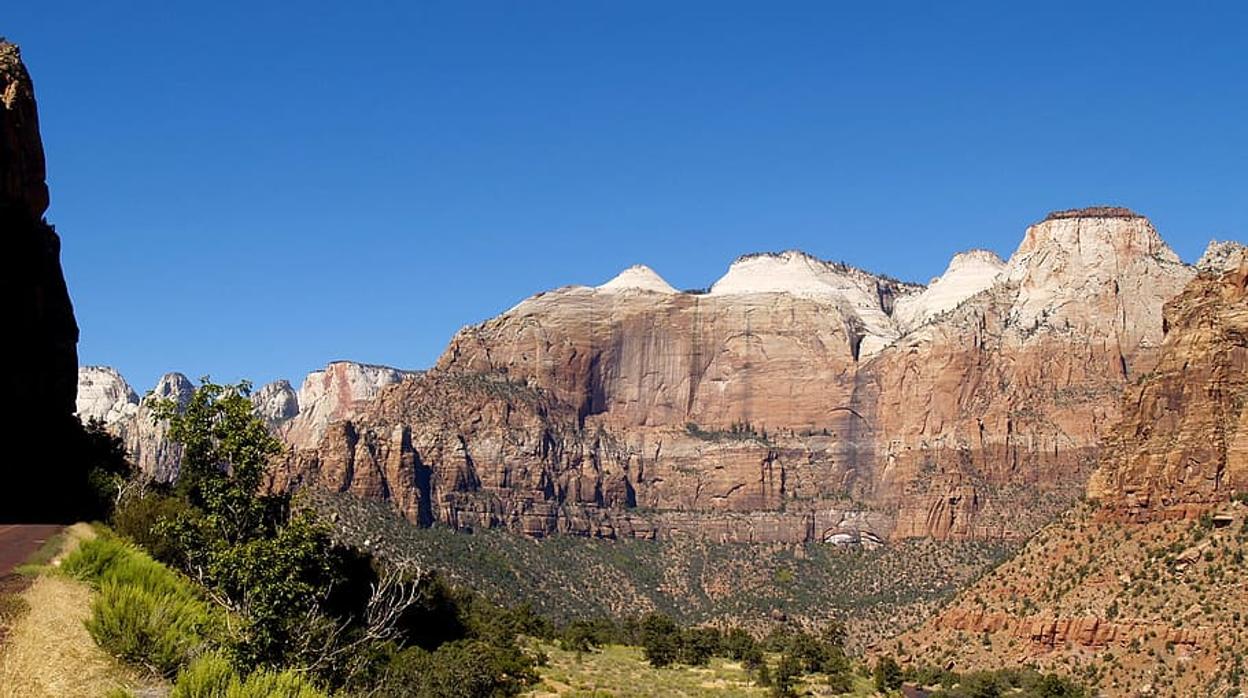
x=1141, y=586
x=41, y=346
x=794, y=400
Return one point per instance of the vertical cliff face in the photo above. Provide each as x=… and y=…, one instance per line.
x=1182, y=445
x=1000, y=404
x=1144, y=585
x=38, y=317
x=799, y=399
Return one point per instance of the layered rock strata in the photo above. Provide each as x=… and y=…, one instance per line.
x=795, y=400
x=1141, y=583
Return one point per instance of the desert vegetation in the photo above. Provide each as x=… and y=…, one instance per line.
x=222, y=588
x=215, y=586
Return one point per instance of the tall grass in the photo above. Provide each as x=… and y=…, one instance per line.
x=144, y=613
x=211, y=676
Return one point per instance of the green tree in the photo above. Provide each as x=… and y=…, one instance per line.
x=887, y=674
x=785, y=678
x=269, y=568
x=698, y=645
x=660, y=639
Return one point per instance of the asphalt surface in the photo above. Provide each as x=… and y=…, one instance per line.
x=19, y=541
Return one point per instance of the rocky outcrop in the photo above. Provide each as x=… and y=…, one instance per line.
x=828, y=401
x=1047, y=632
x=1221, y=257
x=969, y=274
x=41, y=349
x=1182, y=445
x=104, y=396
x=1123, y=574
x=276, y=402
x=147, y=438
x=1001, y=404
x=333, y=393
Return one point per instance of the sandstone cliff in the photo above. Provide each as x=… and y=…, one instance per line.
x=798, y=399
x=1143, y=586
x=1183, y=442
x=39, y=427
x=300, y=418
x=104, y=396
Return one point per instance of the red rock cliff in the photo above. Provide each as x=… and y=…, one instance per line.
x=804, y=400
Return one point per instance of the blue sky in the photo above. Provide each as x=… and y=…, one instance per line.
x=254, y=189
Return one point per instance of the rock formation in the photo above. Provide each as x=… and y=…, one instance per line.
x=334, y=393
x=104, y=396
x=38, y=422
x=1143, y=583
x=300, y=418
x=795, y=400
x=276, y=402
x=1182, y=445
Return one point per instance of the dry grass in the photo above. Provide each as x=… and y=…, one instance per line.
x=617, y=671
x=48, y=651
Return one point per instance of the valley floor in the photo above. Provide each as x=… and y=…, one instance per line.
x=623, y=672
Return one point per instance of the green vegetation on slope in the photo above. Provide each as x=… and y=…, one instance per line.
x=875, y=593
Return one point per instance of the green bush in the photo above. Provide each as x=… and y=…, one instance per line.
x=212, y=676
x=160, y=630
x=660, y=639
x=94, y=557
x=209, y=676
x=145, y=613
x=460, y=669
x=887, y=674
x=144, y=519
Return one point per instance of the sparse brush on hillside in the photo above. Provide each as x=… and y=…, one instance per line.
x=875, y=593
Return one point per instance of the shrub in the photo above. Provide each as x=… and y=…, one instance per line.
x=160, y=630
x=144, y=613
x=144, y=519
x=660, y=639
x=93, y=558
x=460, y=668
x=887, y=674
x=698, y=645
x=211, y=676
x=207, y=677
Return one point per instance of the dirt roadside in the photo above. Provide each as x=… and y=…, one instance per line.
x=18, y=542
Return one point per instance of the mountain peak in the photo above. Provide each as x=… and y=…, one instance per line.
x=1221, y=256
x=1093, y=212
x=638, y=277
x=968, y=273
x=1094, y=235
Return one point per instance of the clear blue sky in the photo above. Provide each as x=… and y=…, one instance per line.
x=253, y=189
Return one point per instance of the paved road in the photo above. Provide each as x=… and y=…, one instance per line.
x=18, y=542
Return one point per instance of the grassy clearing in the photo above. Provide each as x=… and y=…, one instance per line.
x=623, y=672
x=48, y=651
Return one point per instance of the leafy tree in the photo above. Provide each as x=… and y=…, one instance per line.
x=107, y=469
x=887, y=674
x=739, y=644
x=660, y=639
x=785, y=678
x=698, y=645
